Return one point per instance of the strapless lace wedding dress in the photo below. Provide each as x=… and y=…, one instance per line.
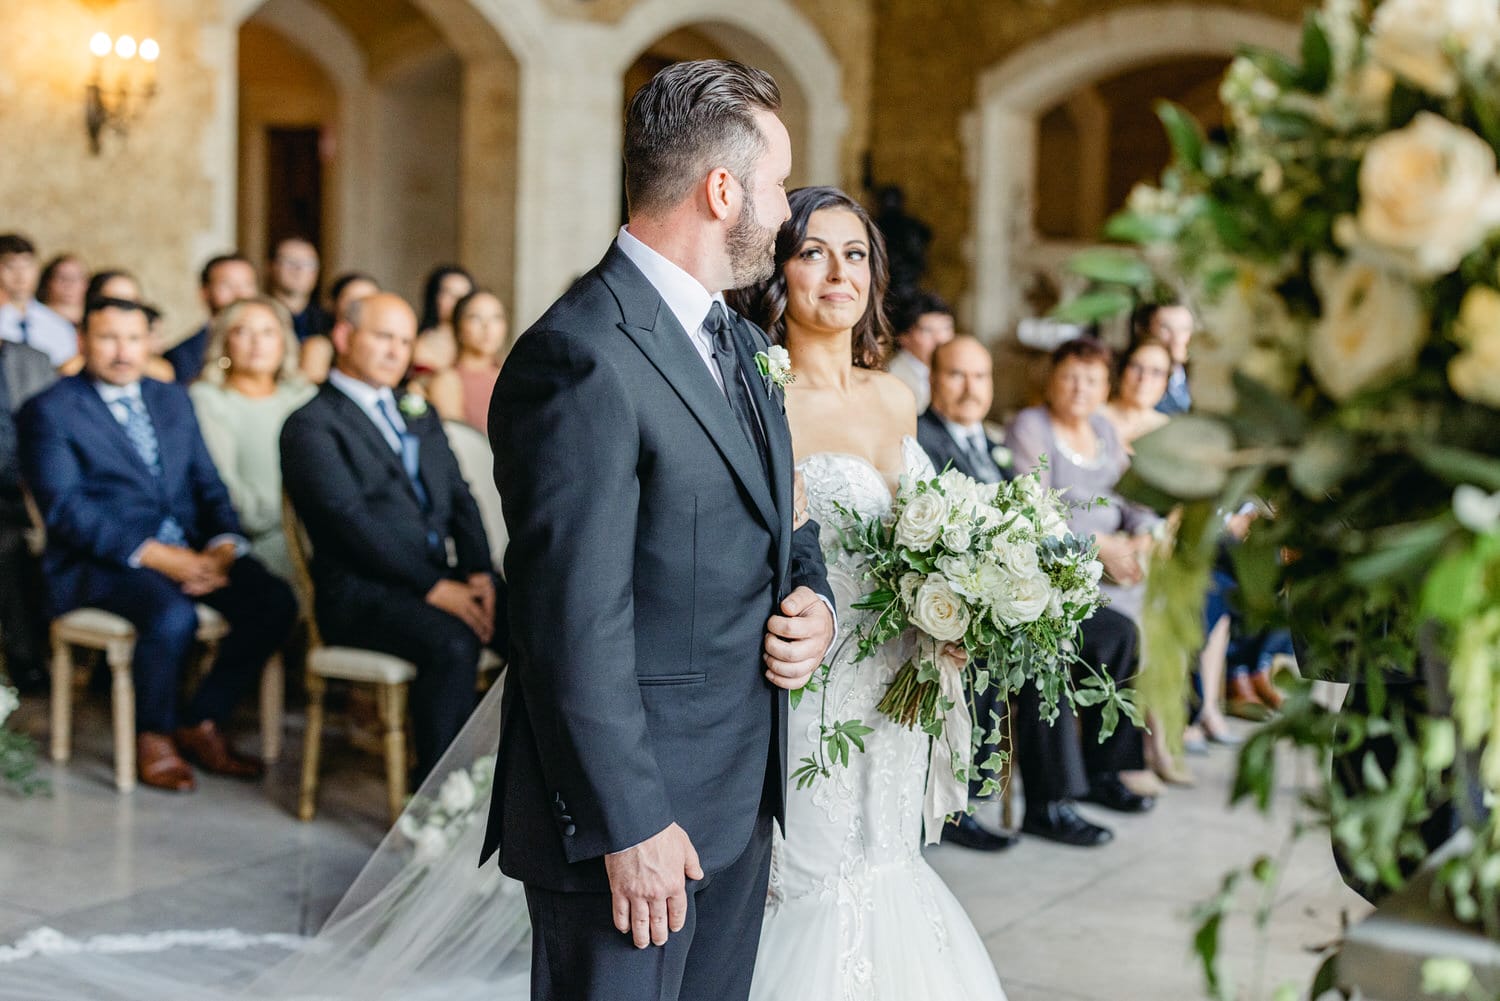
x=854, y=913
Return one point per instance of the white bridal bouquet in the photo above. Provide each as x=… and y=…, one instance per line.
x=433, y=826
x=17, y=751
x=990, y=569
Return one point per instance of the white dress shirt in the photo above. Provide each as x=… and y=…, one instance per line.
x=970, y=437
x=909, y=369
x=684, y=295
x=368, y=397
x=46, y=330
x=118, y=399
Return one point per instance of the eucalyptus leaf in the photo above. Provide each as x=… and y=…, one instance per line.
x=1095, y=306
x=1105, y=264
x=1189, y=457
x=1183, y=132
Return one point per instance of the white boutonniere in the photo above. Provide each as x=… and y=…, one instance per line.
x=775, y=367
x=1001, y=455
x=413, y=405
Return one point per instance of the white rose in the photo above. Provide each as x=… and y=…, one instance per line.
x=1476, y=510
x=1428, y=196
x=1419, y=40
x=1475, y=373
x=409, y=827
x=1054, y=524
x=1094, y=571
x=956, y=538
x=1016, y=557
x=909, y=584
x=922, y=521
x=939, y=612
x=1372, y=328
x=780, y=362
x=457, y=792
x=431, y=843
x=1022, y=598
x=979, y=583
x=9, y=703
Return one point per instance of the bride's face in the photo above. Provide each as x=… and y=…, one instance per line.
x=828, y=278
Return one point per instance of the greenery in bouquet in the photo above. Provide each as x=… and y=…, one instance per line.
x=990, y=569
x=1341, y=240
x=17, y=751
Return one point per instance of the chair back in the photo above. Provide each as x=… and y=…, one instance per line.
x=299, y=548
x=476, y=462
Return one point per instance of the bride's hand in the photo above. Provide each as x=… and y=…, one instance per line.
x=956, y=655
x=799, y=502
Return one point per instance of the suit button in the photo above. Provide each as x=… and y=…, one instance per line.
x=569, y=831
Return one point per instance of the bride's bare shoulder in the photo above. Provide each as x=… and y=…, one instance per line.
x=894, y=397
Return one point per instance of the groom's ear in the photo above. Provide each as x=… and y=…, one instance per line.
x=724, y=194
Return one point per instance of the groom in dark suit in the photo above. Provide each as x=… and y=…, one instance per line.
x=662, y=603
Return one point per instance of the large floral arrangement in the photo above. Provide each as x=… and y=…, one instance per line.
x=991, y=571
x=17, y=751
x=1342, y=239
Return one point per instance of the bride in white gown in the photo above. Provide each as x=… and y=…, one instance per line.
x=854, y=912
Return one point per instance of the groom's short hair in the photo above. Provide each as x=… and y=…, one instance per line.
x=691, y=118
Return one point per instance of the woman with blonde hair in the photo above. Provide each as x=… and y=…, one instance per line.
x=249, y=386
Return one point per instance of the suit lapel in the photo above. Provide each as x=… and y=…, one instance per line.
x=772, y=421
x=104, y=419
x=650, y=324
x=363, y=427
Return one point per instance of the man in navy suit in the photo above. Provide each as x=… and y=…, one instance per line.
x=139, y=524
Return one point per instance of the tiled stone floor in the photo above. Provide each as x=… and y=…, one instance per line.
x=1062, y=924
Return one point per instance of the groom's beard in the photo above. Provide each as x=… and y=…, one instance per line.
x=751, y=246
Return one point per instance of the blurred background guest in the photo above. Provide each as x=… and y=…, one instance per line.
x=115, y=284
x=293, y=281
x=1085, y=460
x=462, y=393
x=922, y=321
x=224, y=279
x=1139, y=388
x=62, y=285
x=437, y=344
x=24, y=372
x=1172, y=324
x=317, y=350
x=249, y=386
x=23, y=319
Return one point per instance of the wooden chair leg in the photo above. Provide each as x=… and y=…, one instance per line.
x=62, y=700
x=119, y=657
x=312, y=748
x=393, y=716
x=272, y=705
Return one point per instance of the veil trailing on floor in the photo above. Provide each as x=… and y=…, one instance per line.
x=421, y=923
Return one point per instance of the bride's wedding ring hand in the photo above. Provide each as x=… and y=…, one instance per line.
x=648, y=886
x=797, y=639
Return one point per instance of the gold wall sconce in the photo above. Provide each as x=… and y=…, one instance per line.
x=124, y=82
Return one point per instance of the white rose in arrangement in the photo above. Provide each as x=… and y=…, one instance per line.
x=431, y=843
x=1476, y=510
x=1022, y=598
x=956, y=538
x=1016, y=557
x=909, y=584
x=9, y=702
x=980, y=583
x=409, y=826
x=922, y=520
x=1094, y=571
x=1372, y=328
x=1429, y=195
x=1475, y=373
x=457, y=793
x=1054, y=523
x=939, y=612
x=1431, y=42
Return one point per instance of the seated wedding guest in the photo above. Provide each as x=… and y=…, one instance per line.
x=1139, y=387
x=293, y=281
x=115, y=284
x=61, y=287
x=1172, y=324
x=23, y=319
x=317, y=350
x=139, y=524
x=250, y=384
x=462, y=393
x=437, y=344
x=922, y=322
x=24, y=372
x=1085, y=460
x=224, y=279
x=1049, y=758
x=400, y=562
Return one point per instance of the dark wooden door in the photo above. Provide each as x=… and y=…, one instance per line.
x=294, y=180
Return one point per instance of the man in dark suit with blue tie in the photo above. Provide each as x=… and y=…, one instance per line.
x=952, y=432
x=139, y=524
x=400, y=560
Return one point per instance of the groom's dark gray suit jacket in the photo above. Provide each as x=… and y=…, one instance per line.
x=647, y=549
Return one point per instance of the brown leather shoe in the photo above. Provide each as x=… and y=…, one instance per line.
x=206, y=747
x=158, y=764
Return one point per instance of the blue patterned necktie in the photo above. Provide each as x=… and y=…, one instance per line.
x=411, y=452
x=142, y=435
x=25, y=331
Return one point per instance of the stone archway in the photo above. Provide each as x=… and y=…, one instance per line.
x=1001, y=132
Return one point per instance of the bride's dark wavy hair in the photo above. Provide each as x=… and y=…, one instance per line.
x=765, y=303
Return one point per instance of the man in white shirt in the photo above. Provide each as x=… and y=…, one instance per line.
x=24, y=320
x=922, y=323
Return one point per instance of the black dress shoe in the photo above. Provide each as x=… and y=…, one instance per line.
x=966, y=832
x=1109, y=791
x=1059, y=821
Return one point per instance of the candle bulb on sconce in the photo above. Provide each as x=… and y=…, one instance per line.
x=115, y=103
